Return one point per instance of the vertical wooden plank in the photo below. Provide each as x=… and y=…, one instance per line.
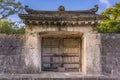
x=59, y=52
x=71, y=47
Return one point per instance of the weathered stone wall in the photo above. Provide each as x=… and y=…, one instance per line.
x=92, y=51
x=110, y=54
x=11, y=53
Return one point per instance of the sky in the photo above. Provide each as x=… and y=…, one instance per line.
x=68, y=4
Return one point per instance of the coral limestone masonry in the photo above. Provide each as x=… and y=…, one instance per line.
x=60, y=44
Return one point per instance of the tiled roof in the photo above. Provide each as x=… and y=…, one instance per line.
x=60, y=16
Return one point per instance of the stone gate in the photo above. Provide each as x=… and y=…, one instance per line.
x=60, y=45
x=60, y=41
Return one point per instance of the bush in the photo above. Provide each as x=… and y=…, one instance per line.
x=111, y=24
x=7, y=27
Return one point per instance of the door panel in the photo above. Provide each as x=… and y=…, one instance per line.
x=61, y=54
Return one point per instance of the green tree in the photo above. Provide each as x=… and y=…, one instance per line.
x=9, y=7
x=8, y=27
x=111, y=23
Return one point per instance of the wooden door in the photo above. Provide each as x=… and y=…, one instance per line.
x=61, y=54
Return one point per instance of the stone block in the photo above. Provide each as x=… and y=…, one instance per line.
x=90, y=78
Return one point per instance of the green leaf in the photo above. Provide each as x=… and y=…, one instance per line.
x=111, y=24
x=10, y=7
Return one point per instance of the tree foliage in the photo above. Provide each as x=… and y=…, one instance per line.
x=8, y=27
x=9, y=7
x=111, y=24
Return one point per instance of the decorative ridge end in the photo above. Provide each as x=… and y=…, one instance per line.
x=27, y=9
x=61, y=8
x=95, y=9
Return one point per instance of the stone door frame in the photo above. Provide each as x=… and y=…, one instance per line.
x=90, y=53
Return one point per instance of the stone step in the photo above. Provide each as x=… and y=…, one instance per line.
x=85, y=78
x=52, y=76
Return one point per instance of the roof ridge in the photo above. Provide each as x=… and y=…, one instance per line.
x=62, y=9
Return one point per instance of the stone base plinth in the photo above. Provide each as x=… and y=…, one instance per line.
x=55, y=76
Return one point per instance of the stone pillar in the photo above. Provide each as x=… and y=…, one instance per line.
x=83, y=54
x=33, y=53
x=40, y=52
x=93, y=64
